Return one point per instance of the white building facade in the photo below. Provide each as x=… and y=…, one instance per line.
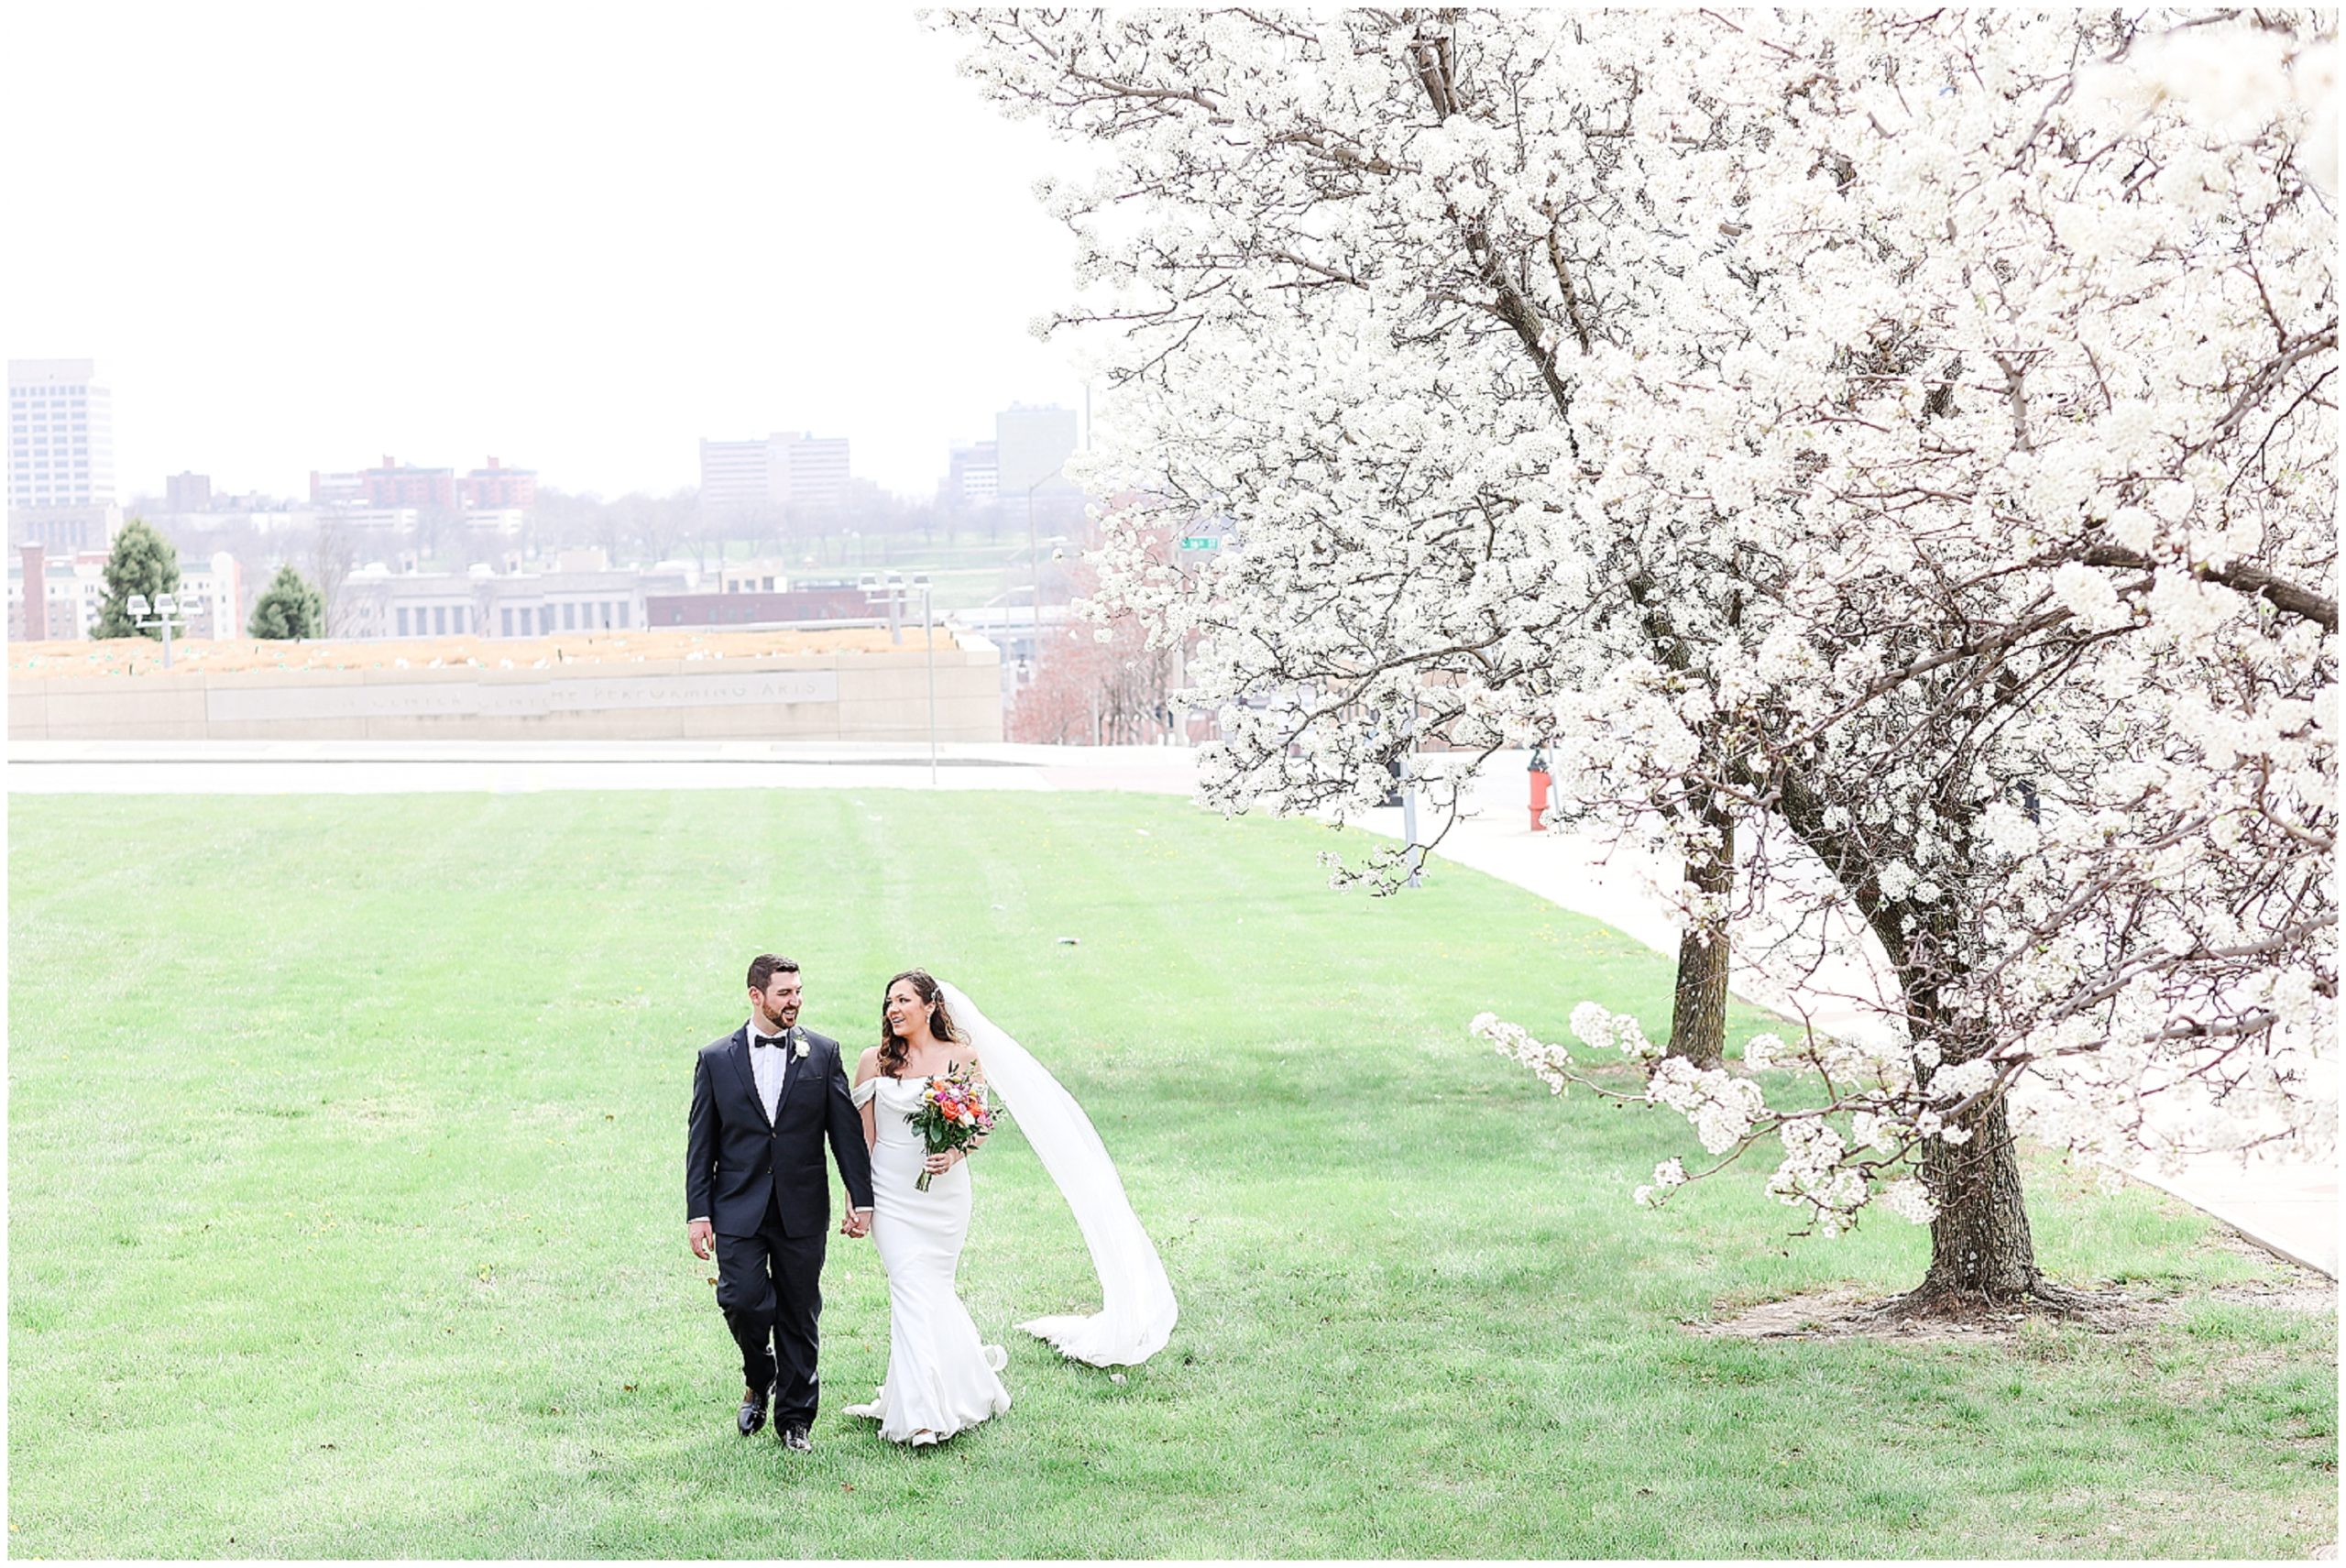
x=212, y=596
x=73, y=589
x=69, y=588
x=575, y=595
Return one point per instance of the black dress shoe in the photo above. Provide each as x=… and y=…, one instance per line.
x=797, y=1437
x=753, y=1413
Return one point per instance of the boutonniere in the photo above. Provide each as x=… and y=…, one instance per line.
x=797, y=1046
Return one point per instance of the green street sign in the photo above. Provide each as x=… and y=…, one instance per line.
x=1201, y=543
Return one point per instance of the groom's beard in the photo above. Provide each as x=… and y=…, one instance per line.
x=776, y=1025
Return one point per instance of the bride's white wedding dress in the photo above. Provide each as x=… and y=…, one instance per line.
x=940, y=1377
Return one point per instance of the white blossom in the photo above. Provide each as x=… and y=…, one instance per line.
x=1910, y=1201
x=1943, y=481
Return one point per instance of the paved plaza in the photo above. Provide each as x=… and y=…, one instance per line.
x=2287, y=1204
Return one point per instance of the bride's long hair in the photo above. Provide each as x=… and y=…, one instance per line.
x=893, y=1048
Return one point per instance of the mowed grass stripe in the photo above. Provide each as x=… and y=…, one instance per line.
x=344, y=1160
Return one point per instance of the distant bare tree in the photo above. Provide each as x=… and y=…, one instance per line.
x=559, y=518
x=677, y=514
x=437, y=528
x=660, y=524
x=606, y=527
x=333, y=553
x=925, y=520
x=1096, y=681
x=713, y=529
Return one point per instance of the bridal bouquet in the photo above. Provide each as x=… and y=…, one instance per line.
x=951, y=1115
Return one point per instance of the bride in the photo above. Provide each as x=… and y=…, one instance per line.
x=941, y=1377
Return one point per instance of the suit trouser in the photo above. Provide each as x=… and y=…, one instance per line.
x=771, y=1287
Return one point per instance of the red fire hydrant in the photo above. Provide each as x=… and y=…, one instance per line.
x=1541, y=782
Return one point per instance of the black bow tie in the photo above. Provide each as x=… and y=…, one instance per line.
x=776, y=1040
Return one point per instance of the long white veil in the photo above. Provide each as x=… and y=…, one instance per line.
x=1136, y=1313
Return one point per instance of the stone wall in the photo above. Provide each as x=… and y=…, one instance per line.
x=783, y=697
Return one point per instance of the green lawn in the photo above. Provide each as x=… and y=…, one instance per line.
x=346, y=1219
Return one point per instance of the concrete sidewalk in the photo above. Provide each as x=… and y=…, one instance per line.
x=2289, y=1206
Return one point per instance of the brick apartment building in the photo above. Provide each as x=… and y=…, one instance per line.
x=393, y=486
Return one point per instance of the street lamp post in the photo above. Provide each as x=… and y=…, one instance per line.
x=1034, y=551
x=929, y=641
x=891, y=588
x=1408, y=783
x=1410, y=818
x=1035, y=560
x=884, y=589
x=161, y=613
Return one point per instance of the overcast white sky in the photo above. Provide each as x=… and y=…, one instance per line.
x=579, y=237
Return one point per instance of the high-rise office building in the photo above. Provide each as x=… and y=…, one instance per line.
x=60, y=455
x=737, y=478
x=813, y=469
x=970, y=475
x=782, y=471
x=1030, y=446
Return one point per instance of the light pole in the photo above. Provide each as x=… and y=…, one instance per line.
x=884, y=588
x=892, y=587
x=929, y=641
x=164, y=610
x=1409, y=796
x=1035, y=560
x=1034, y=551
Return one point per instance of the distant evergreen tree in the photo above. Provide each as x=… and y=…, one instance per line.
x=143, y=563
x=290, y=609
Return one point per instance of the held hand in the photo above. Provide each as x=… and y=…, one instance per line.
x=856, y=1225
x=702, y=1235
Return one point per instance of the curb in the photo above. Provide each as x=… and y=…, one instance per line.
x=2225, y=1215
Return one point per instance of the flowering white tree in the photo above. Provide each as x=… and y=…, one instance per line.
x=1880, y=433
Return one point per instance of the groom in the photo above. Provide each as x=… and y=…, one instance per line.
x=765, y=1099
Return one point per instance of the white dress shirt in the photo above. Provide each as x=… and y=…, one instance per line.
x=767, y=1065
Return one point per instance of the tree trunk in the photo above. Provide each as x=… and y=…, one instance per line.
x=1980, y=1246
x=1981, y=1251
x=1698, y=1014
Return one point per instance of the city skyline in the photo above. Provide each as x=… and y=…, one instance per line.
x=196, y=489
x=650, y=236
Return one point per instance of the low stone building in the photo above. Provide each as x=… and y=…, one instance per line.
x=578, y=592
